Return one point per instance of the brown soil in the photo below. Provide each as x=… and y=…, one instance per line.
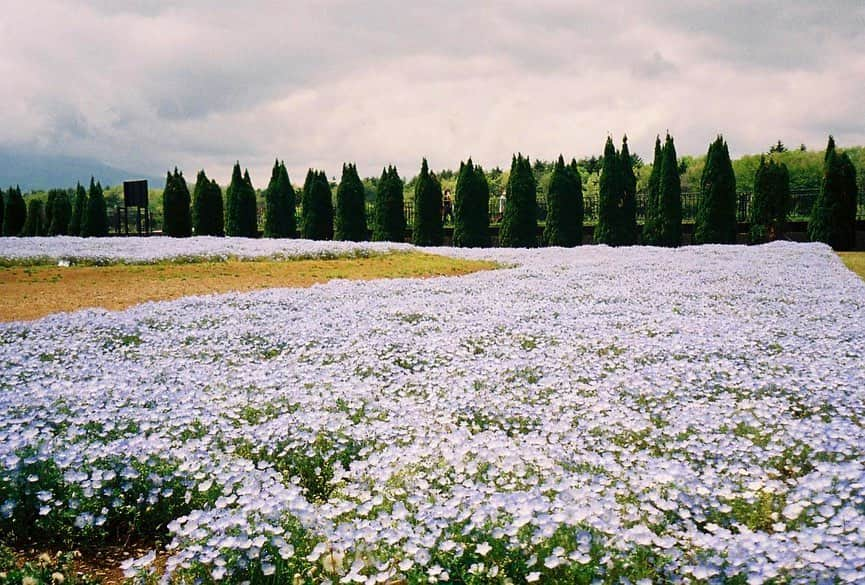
x=30, y=292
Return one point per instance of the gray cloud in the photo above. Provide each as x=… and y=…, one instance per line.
x=150, y=84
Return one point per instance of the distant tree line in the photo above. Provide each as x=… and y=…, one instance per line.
x=324, y=216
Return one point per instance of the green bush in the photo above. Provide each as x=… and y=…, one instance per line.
x=770, y=202
x=716, y=210
x=427, y=229
x=14, y=213
x=520, y=221
x=350, y=220
x=564, y=225
x=95, y=222
x=471, y=207
x=177, y=215
x=389, y=210
x=317, y=207
x=208, y=218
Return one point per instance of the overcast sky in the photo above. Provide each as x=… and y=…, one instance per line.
x=147, y=84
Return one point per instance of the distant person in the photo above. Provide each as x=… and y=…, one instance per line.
x=447, y=208
x=502, y=201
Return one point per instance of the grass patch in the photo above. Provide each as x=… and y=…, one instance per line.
x=855, y=261
x=30, y=292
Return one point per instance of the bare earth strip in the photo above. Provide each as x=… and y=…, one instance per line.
x=30, y=292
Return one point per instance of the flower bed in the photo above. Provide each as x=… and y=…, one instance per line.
x=628, y=414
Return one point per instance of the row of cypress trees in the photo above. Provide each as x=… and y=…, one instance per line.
x=86, y=215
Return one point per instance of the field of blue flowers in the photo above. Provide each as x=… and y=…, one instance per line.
x=633, y=415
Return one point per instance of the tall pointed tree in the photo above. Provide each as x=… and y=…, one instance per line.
x=350, y=219
x=279, y=204
x=832, y=214
x=716, y=209
x=79, y=208
x=208, y=217
x=847, y=209
x=471, y=207
x=628, y=216
x=61, y=213
x=389, y=208
x=317, y=207
x=15, y=212
x=520, y=221
x=669, y=198
x=564, y=225
x=610, y=199
x=176, y=200
x=427, y=229
x=652, y=211
x=241, y=213
x=96, y=217
x=250, y=206
x=770, y=201
x=35, y=223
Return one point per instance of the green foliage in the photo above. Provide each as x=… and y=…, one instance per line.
x=14, y=212
x=35, y=223
x=56, y=569
x=628, y=217
x=241, y=209
x=95, y=221
x=564, y=225
x=770, y=202
x=833, y=217
x=651, y=222
x=208, y=218
x=610, y=229
x=279, y=204
x=427, y=229
x=79, y=208
x=350, y=220
x=716, y=209
x=317, y=207
x=389, y=210
x=2, y=209
x=177, y=221
x=520, y=221
x=471, y=207
x=669, y=212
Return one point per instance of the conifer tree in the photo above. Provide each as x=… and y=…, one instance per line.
x=471, y=207
x=520, y=221
x=176, y=206
x=716, y=209
x=95, y=223
x=427, y=229
x=61, y=213
x=770, y=201
x=847, y=209
x=241, y=212
x=350, y=220
x=564, y=225
x=610, y=199
x=79, y=208
x=650, y=222
x=279, y=204
x=49, y=208
x=389, y=208
x=317, y=207
x=15, y=212
x=832, y=214
x=35, y=224
x=208, y=218
x=628, y=216
x=669, y=198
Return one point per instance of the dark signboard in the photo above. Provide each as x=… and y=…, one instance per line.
x=135, y=193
